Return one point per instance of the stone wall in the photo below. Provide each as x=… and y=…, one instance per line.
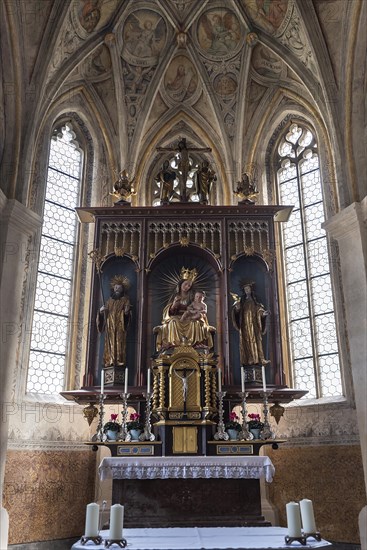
x=46, y=493
x=331, y=476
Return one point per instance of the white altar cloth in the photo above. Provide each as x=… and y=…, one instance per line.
x=205, y=538
x=188, y=467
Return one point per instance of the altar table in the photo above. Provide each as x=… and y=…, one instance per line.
x=218, y=538
x=192, y=491
x=190, y=467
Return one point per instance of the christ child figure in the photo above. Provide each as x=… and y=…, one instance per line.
x=197, y=309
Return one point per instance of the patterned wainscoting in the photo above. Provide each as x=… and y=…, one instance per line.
x=46, y=493
x=331, y=476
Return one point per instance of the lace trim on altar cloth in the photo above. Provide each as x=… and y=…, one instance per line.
x=189, y=468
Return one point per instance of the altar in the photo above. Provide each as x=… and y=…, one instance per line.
x=193, y=491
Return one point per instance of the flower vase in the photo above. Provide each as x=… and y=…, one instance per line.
x=111, y=435
x=255, y=432
x=233, y=434
x=135, y=434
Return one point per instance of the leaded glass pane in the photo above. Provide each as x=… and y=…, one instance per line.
x=48, y=332
x=298, y=300
x=301, y=338
x=331, y=383
x=326, y=334
x=45, y=372
x=54, y=217
x=295, y=263
x=318, y=257
x=293, y=232
x=62, y=189
x=304, y=376
x=289, y=193
x=287, y=172
x=56, y=257
x=310, y=162
x=322, y=297
x=51, y=319
x=314, y=217
x=53, y=294
x=311, y=188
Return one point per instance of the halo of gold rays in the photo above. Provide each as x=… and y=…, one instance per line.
x=120, y=280
x=169, y=280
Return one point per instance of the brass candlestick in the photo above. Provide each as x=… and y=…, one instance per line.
x=316, y=536
x=147, y=434
x=221, y=432
x=244, y=434
x=100, y=435
x=122, y=543
x=96, y=540
x=123, y=433
x=301, y=539
x=266, y=432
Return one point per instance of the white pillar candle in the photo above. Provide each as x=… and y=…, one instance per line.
x=148, y=381
x=102, y=381
x=242, y=380
x=293, y=519
x=264, y=378
x=126, y=378
x=91, y=520
x=219, y=380
x=116, y=521
x=307, y=515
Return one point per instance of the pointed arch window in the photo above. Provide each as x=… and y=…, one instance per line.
x=311, y=319
x=52, y=309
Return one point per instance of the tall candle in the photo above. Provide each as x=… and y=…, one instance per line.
x=242, y=380
x=126, y=378
x=307, y=515
x=91, y=520
x=148, y=381
x=116, y=521
x=293, y=519
x=264, y=378
x=102, y=381
x=219, y=380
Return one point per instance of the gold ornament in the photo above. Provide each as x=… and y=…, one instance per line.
x=120, y=280
x=188, y=275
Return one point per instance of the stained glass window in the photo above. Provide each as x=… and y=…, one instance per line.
x=311, y=319
x=51, y=317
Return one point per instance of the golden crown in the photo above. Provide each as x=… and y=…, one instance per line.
x=120, y=280
x=188, y=274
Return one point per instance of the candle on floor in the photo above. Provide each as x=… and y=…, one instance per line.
x=264, y=378
x=148, y=381
x=91, y=520
x=293, y=519
x=102, y=381
x=242, y=380
x=116, y=521
x=219, y=380
x=126, y=379
x=307, y=515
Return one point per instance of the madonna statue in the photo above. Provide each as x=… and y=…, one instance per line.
x=177, y=328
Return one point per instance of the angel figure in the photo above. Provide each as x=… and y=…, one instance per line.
x=246, y=190
x=141, y=39
x=123, y=188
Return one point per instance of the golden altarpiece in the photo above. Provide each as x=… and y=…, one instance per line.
x=206, y=255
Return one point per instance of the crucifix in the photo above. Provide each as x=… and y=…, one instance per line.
x=184, y=377
x=183, y=163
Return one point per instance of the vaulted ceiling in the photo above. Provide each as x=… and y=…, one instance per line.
x=140, y=74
